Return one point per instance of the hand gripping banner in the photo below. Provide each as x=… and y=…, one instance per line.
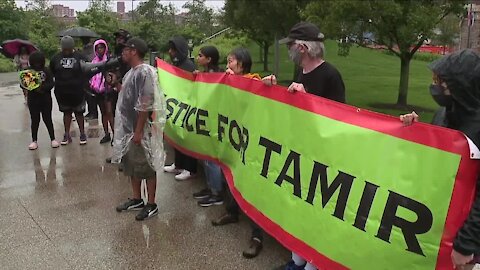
x=343, y=187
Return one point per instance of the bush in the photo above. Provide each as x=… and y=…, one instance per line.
x=425, y=57
x=6, y=65
x=224, y=45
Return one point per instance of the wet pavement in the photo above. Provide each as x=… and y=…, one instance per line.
x=57, y=208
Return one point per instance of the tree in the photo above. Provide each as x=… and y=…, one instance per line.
x=43, y=27
x=155, y=23
x=199, y=21
x=10, y=16
x=264, y=20
x=100, y=18
x=402, y=26
x=448, y=31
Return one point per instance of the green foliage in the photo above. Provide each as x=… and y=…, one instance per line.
x=427, y=57
x=362, y=88
x=199, y=20
x=155, y=23
x=100, y=18
x=6, y=65
x=400, y=25
x=43, y=29
x=10, y=18
x=262, y=20
x=449, y=30
x=224, y=44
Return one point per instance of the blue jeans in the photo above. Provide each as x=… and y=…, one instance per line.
x=214, y=175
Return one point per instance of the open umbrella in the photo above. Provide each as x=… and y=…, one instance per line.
x=78, y=32
x=12, y=47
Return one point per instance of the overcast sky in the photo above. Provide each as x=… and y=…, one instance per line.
x=81, y=5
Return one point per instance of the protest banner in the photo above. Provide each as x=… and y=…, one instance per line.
x=343, y=187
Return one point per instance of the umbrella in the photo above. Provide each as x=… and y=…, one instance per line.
x=10, y=48
x=78, y=32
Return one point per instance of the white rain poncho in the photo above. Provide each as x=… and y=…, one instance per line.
x=140, y=93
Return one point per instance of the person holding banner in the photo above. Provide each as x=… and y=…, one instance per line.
x=184, y=167
x=306, y=49
x=208, y=58
x=239, y=62
x=138, y=140
x=456, y=86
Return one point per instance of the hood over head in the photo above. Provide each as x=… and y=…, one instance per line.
x=180, y=45
x=105, y=55
x=461, y=73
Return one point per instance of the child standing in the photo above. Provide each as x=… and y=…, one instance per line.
x=39, y=100
x=99, y=87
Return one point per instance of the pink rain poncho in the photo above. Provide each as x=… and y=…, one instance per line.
x=97, y=82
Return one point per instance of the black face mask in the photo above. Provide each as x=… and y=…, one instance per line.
x=438, y=94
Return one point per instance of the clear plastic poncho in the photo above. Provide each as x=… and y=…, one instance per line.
x=140, y=93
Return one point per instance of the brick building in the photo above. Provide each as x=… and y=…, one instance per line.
x=60, y=11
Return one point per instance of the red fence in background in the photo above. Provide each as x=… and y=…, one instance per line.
x=424, y=49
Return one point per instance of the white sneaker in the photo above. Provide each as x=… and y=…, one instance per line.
x=33, y=146
x=184, y=175
x=55, y=144
x=171, y=169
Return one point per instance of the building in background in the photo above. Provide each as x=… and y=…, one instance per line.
x=62, y=11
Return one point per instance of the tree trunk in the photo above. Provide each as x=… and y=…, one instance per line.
x=404, y=75
x=265, y=56
x=260, y=47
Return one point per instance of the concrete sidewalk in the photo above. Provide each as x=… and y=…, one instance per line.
x=58, y=209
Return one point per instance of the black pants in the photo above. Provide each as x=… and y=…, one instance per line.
x=233, y=209
x=185, y=162
x=92, y=105
x=41, y=104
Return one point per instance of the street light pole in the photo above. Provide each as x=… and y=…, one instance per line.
x=133, y=18
x=469, y=25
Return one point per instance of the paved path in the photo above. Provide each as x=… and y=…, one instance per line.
x=58, y=212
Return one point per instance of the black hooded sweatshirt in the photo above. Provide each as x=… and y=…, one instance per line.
x=181, y=59
x=461, y=72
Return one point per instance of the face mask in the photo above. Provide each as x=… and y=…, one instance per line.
x=437, y=92
x=295, y=55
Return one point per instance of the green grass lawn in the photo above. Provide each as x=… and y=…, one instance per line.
x=370, y=77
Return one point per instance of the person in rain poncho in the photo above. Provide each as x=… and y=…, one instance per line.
x=456, y=87
x=139, y=122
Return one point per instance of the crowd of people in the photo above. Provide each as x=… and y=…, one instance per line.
x=133, y=109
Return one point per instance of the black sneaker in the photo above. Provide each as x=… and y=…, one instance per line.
x=148, y=211
x=131, y=204
x=106, y=139
x=212, y=200
x=202, y=194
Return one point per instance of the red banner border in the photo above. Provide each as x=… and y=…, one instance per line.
x=463, y=194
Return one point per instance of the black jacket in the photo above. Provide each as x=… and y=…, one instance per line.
x=181, y=59
x=461, y=72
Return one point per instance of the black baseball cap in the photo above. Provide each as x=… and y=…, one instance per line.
x=303, y=31
x=138, y=44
